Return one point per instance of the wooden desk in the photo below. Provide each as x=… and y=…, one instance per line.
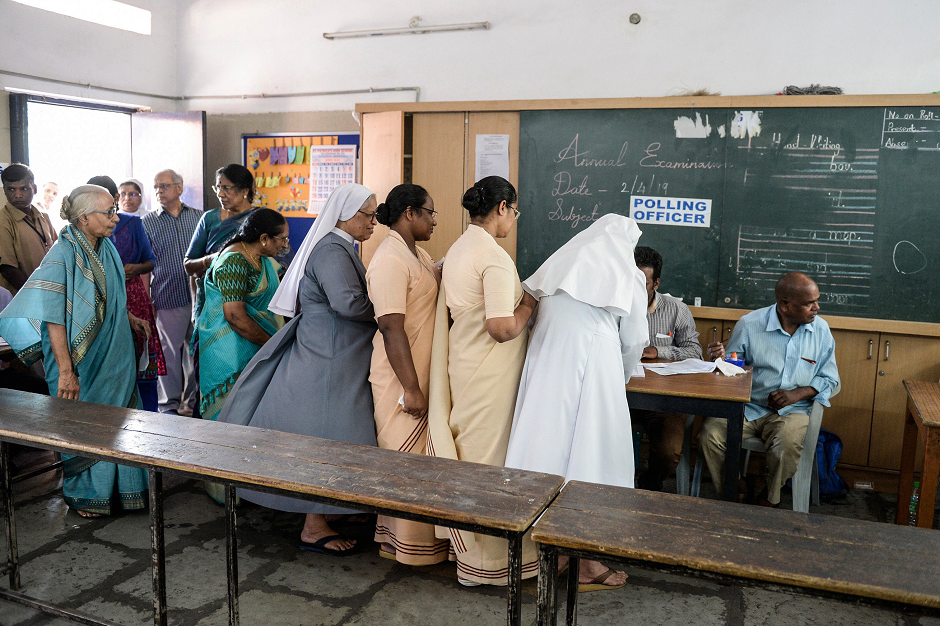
x=711, y=395
x=479, y=498
x=923, y=418
x=824, y=554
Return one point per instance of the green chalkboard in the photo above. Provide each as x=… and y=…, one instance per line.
x=736, y=198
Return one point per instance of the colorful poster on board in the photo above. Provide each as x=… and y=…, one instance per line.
x=281, y=164
x=330, y=167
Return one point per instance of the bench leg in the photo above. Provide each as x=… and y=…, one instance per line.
x=906, y=478
x=514, y=610
x=548, y=572
x=928, y=478
x=231, y=555
x=6, y=485
x=571, y=610
x=733, y=456
x=157, y=550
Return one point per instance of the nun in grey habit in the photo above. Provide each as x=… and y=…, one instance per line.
x=312, y=377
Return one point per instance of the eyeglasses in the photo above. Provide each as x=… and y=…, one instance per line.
x=129, y=194
x=110, y=212
x=164, y=186
x=372, y=216
x=223, y=188
x=516, y=212
x=424, y=208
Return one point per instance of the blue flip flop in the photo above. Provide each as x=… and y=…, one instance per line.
x=320, y=546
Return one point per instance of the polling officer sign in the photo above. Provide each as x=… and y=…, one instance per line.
x=671, y=211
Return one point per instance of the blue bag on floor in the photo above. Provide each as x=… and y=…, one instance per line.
x=828, y=451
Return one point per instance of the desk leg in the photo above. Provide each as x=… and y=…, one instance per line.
x=906, y=479
x=735, y=427
x=514, y=610
x=548, y=572
x=6, y=485
x=571, y=610
x=157, y=550
x=231, y=555
x=928, y=478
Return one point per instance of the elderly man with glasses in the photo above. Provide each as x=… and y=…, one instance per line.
x=170, y=228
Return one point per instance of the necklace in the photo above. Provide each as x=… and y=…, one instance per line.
x=251, y=257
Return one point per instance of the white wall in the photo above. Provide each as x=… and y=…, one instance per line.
x=42, y=43
x=553, y=49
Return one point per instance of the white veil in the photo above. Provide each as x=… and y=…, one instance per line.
x=595, y=267
x=342, y=204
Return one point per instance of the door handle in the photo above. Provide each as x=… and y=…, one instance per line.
x=887, y=349
x=714, y=334
x=871, y=347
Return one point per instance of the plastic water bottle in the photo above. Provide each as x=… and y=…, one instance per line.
x=915, y=499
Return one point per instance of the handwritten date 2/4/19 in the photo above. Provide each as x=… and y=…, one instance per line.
x=645, y=186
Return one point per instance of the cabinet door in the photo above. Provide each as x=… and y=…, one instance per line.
x=438, y=144
x=383, y=164
x=850, y=415
x=726, y=328
x=900, y=358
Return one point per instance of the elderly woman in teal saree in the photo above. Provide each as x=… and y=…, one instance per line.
x=72, y=313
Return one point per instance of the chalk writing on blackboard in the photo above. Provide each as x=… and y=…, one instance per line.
x=911, y=128
x=907, y=258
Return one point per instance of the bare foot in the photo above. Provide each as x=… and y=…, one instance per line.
x=316, y=528
x=88, y=514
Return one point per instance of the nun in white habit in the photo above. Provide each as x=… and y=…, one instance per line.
x=571, y=416
x=312, y=376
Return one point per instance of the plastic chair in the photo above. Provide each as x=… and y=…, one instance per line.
x=805, y=483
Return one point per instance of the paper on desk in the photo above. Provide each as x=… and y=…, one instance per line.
x=638, y=371
x=688, y=366
x=728, y=369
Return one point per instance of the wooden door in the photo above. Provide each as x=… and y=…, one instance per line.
x=439, y=148
x=497, y=123
x=850, y=415
x=900, y=358
x=383, y=163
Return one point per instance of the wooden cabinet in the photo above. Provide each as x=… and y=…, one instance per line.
x=708, y=331
x=850, y=415
x=900, y=358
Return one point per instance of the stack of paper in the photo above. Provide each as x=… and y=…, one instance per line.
x=694, y=366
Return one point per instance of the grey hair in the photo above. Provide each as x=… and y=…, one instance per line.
x=82, y=200
x=174, y=177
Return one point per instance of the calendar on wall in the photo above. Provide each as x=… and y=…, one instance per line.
x=330, y=167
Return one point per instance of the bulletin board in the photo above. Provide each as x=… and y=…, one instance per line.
x=294, y=173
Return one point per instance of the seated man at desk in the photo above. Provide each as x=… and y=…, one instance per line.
x=793, y=356
x=672, y=336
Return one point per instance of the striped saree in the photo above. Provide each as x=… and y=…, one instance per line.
x=82, y=289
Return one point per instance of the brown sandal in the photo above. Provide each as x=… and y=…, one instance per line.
x=598, y=583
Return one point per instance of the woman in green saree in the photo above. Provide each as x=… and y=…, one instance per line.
x=235, y=321
x=72, y=313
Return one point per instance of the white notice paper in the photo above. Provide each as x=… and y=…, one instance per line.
x=638, y=371
x=492, y=156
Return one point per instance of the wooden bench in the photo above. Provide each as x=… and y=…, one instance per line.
x=923, y=419
x=489, y=500
x=827, y=555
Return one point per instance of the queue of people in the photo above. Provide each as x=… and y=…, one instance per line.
x=458, y=359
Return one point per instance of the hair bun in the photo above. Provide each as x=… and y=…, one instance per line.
x=382, y=214
x=473, y=200
x=64, y=210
